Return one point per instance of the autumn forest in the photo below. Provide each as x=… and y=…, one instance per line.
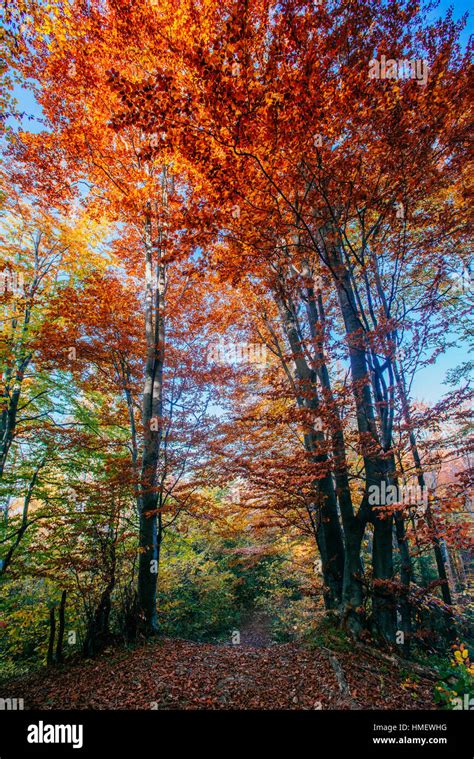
x=236, y=296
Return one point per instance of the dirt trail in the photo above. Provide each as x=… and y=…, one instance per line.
x=178, y=674
x=254, y=630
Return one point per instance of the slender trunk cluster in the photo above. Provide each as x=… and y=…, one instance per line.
x=340, y=527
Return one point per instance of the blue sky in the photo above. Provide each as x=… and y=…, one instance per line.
x=460, y=7
x=428, y=382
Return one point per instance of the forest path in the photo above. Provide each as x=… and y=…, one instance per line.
x=255, y=630
x=180, y=674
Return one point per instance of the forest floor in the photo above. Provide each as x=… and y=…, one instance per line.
x=255, y=674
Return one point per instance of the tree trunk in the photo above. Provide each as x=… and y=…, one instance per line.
x=326, y=526
x=9, y=414
x=152, y=418
x=98, y=634
x=52, y=634
x=384, y=608
x=440, y=563
x=5, y=563
x=353, y=528
x=62, y=622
